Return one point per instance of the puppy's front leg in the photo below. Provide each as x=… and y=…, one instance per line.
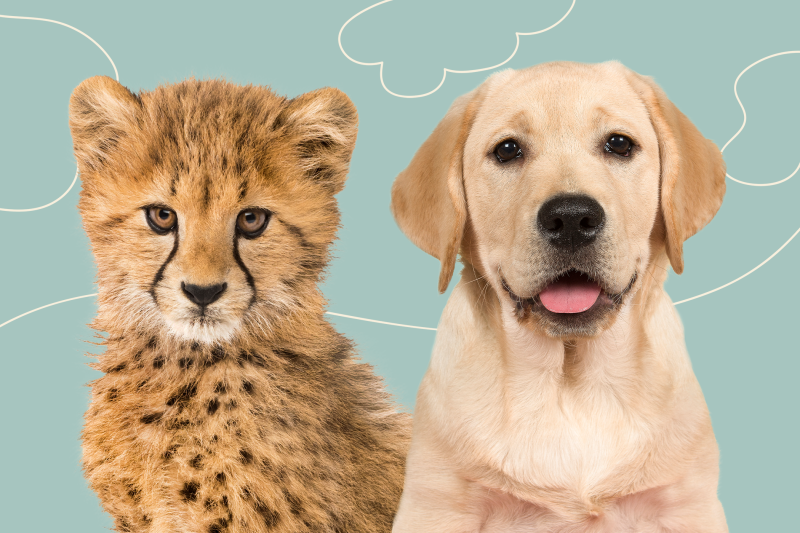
x=435, y=498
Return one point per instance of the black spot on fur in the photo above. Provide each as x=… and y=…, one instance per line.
x=232, y=405
x=206, y=191
x=158, y=362
x=248, y=356
x=217, y=355
x=195, y=346
x=287, y=354
x=213, y=405
x=113, y=222
x=134, y=493
x=312, y=265
x=242, y=190
x=183, y=395
x=173, y=185
x=225, y=501
x=196, y=462
x=219, y=526
x=220, y=477
x=245, y=456
x=185, y=362
x=238, y=166
x=247, y=387
x=271, y=517
x=137, y=356
x=189, y=491
x=113, y=394
x=220, y=388
x=176, y=423
x=152, y=417
x=170, y=452
x=208, y=504
x=152, y=343
x=119, y=368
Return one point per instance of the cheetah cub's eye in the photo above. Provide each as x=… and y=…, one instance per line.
x=252, y=222
x=161, y=219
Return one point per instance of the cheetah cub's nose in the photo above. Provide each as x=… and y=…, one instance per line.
x=203, y=296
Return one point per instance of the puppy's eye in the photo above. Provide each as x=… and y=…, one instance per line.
x=252, y=222
x=620, y=145
x=161, y=219
x=507, y=150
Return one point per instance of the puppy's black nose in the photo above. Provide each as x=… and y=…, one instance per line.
x=203, y=296
x=571, y=221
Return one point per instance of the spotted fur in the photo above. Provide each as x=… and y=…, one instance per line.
x=250, y=415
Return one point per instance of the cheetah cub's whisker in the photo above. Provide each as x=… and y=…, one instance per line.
x=228, y=403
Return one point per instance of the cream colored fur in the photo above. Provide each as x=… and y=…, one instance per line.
x=524, y=427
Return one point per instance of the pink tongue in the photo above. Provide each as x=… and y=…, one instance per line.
x=570, y=295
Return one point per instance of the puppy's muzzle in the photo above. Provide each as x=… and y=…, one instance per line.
x=570, y=221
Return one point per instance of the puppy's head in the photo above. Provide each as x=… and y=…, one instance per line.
x=210, y=206
x=551, y=182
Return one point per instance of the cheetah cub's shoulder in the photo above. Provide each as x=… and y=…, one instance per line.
x=228, y=403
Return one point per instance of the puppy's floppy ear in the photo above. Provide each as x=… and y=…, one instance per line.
x=101, y=113
x=428, y=200
x=692, y=170
x=325, y=125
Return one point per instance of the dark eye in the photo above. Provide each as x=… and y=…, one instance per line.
x=161, y=219
x=252, y=222
x=620, y=145
x=507, y=150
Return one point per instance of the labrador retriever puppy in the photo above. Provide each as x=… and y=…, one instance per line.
x=560, y=396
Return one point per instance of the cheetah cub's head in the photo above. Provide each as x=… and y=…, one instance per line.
x=210, y=207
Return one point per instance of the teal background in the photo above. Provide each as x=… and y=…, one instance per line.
x=742, y=340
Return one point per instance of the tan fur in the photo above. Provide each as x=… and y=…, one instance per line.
x=523, y=424
x=255, y=417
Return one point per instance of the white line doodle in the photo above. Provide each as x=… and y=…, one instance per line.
x=327, y=313
x=45, y=306
x=379, y=321
x=116, y=73
x=744, y=121
x=446, y=70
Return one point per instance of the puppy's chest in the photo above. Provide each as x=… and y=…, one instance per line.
x=573, y=444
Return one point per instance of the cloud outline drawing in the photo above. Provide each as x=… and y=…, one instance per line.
x=445, y=70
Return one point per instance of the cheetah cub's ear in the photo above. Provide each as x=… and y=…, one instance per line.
x=323, y=125
x=101, y=114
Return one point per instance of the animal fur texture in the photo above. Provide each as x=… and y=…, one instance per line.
x=249, y=413
x=533, y=420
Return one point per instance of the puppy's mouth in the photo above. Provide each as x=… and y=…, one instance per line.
x=573, y=303
x=573, y=292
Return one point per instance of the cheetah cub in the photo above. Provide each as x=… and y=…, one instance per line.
x=228, y=403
